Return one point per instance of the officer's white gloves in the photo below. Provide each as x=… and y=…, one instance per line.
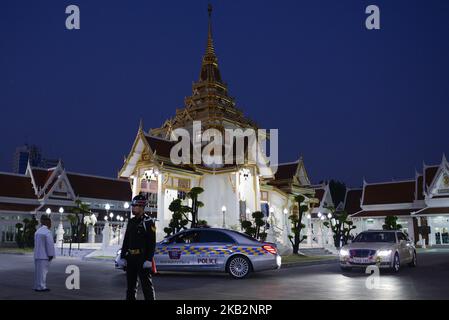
x=122, y=263
x=147, y=265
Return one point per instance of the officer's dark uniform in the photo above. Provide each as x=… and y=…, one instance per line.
x=138, y=246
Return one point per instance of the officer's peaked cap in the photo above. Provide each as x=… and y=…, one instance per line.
x=139, y=200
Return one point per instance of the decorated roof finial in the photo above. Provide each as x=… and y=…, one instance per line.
x=210, y=43
x=141, y=124
x=209, y=9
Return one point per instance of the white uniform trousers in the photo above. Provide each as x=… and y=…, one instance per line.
x=40, y=274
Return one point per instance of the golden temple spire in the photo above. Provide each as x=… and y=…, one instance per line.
x=210, y=42
x=209, y=68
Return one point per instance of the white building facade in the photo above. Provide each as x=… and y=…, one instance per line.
x=45, y=191
x=232, y=191
x=421, y=205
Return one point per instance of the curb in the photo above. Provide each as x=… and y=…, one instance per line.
x=308, y=263
x=18, y=253
x=111, y=260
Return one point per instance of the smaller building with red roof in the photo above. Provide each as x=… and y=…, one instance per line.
x=421, y=204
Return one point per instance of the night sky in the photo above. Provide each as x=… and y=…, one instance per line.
x=355, y=103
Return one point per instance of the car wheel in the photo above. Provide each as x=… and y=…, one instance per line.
x=239, y=267
x=396, y=263
x=414, y=261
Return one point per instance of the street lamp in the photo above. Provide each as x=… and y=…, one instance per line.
x=48, y=211
x=61, y=211
x=111, y=215
x=118, y=218
x=126, y=205
x=223, y=209
x=60, y=231
x=107, y=206
x=329, y=215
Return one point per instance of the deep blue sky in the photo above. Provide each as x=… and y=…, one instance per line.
x=355, y=103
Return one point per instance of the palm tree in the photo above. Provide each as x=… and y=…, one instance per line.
x=80, y=210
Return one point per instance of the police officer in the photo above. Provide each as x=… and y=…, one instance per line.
x=138, y=250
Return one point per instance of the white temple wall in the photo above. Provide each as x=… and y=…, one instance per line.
x=218, y=192
x=277, y=219
x=246, y=183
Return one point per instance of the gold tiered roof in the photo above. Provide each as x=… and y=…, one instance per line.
x=209, y=102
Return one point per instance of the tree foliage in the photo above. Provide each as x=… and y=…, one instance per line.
x=76, y=220
x=254, y=228
x=180, y=217
x=340, y=225
x=196, y=204
x=391, y=223
x=297, y=225
x=25, y=232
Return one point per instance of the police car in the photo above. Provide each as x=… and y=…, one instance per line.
x=213, y=249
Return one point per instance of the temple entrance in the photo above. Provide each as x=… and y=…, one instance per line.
x=441, y=230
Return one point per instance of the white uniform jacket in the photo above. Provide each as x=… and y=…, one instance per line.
x=43, y=244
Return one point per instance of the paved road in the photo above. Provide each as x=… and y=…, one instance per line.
x=99, y=280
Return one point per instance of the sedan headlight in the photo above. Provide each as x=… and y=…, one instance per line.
x=383, y=253
x=344, y=252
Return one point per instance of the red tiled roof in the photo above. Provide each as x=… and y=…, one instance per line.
x=382, y=213
x=419, y=188
x=18, y=207
x=319, y=194
x=286, y=171
x=352, y=201
x=160, y=146
x=388, y=193
x=16, y=186
x=441, y=210
x=41, y=176
x=100, y=188
x=430, y=173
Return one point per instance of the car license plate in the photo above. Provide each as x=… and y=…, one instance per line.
x=360, y=260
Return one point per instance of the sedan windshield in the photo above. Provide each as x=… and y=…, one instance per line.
x=376, y=237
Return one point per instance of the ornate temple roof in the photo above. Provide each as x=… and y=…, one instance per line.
x=389, y=193
x=210, y=102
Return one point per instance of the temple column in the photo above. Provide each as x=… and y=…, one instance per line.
x=429, y=223
x=309, y=231
x=257, y=191
x=160, y=208
x=422, y=241
x=320, y=234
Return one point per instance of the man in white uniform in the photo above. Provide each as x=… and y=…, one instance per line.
x=44, y=251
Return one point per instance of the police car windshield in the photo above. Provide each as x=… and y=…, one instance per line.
x=376, y=237
x=200, y=236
